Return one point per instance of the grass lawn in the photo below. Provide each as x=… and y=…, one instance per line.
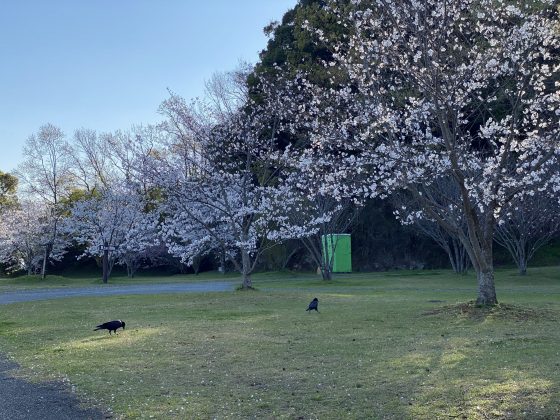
x=389, y=345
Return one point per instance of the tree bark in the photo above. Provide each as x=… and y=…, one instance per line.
x=328, y=259
x=482, y=261
x=246, y=270
x=522, y=267
x=44, y=267
x=459, y=257
x=196, y=265
x=131, y=269
x=222, y=268
x=326, y=273
x=105, y=263
x=45, y=259
x=486, y=287
x=522, y=257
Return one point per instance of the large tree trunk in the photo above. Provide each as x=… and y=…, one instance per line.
x=246, y=270
x=484, y=268
x=479, y=245
x=486, y=288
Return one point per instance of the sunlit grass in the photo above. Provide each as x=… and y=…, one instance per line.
x=384, y=346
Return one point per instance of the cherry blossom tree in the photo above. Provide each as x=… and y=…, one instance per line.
x=456, y=252
x=45, y=175
x=99, y=160
x=528, y=225
x=311, y=217
x=219, y=175
x=443, y=191
x=106, y=166
x=89, y=162
x=221, y=190
x=24, y=231
x=459, y=89
x=114, y=225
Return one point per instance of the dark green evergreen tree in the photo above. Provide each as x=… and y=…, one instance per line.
x=8, y=187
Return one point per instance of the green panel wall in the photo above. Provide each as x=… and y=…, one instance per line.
x=341, y=244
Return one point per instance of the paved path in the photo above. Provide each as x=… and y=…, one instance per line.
x=139, y=289
x=22, y=400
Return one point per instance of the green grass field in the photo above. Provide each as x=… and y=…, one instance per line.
x=385, y=345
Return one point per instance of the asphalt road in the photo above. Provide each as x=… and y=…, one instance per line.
x=140, y=289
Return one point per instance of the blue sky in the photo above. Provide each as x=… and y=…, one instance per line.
x=106, y=65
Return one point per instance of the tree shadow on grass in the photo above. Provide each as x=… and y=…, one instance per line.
x=494, y=363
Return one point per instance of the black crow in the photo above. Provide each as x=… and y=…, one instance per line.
x=313, y=305
x=111, y=326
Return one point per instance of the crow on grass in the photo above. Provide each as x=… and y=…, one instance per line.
x=313, y=305
x=111, y=326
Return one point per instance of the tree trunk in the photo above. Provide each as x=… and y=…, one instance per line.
x=328, y=258
x=326, y=273
x=246, y=270
x=522, y=265
x=486, y=287
x=45, y=259
x=289, y=257
x=459, y=257
x=453, y=263
x=48, y=249
x=463, y=264
x=222, y=268
x=130, y=269
x=484, y=268
x=479, y=247
x=105, y=263
x=464, y=259
x=196, y=265
x=522, y=257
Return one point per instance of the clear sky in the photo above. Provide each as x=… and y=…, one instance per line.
x=107, y=64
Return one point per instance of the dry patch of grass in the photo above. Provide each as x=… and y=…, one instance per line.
x=470, y=310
